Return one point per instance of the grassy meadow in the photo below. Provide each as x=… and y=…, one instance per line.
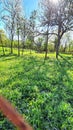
x=42, y=91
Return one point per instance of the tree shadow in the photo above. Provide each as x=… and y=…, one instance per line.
x=34, y=81
x=7, y=57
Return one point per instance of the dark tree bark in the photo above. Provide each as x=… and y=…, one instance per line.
x=57, y=48
x=46, y=45
x=12, y=33
x=18, y=44
x=12, y=45
x=59, y=37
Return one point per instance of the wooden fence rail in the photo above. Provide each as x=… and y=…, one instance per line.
x=10, y=112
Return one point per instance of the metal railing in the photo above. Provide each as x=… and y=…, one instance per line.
x=10, y=112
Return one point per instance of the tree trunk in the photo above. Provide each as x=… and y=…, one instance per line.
x=18, y=44
x=12, y=46
x=57, y=49
x=18, y=36
x=12, y=36
x=46, y=47
x=58, y=44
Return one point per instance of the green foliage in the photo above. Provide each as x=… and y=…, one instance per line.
x=28, y=44
x=41, y=91
x=3, y=38
x=51, y=47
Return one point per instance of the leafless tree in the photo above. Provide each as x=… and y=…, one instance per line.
x=47, y=18
x=23, y=32
x=12, y=10
x=64, y=20
x=58, y=16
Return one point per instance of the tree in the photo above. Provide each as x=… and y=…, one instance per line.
x=9, y=19
x=3, y=39
x=12, y=10
x=60, y=17
x=64, y=20
x=19, y=16
x=47, y=21
x=31, y=26
x=23, y=32
x=0, y=9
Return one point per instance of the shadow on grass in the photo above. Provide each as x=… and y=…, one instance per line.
x=39, y=88
x=65, y=82
x=8, y=57
x=66, y=59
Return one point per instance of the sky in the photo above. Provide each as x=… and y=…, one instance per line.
x=29, y=6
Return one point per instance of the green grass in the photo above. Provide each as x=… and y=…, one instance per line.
x=42, y=91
